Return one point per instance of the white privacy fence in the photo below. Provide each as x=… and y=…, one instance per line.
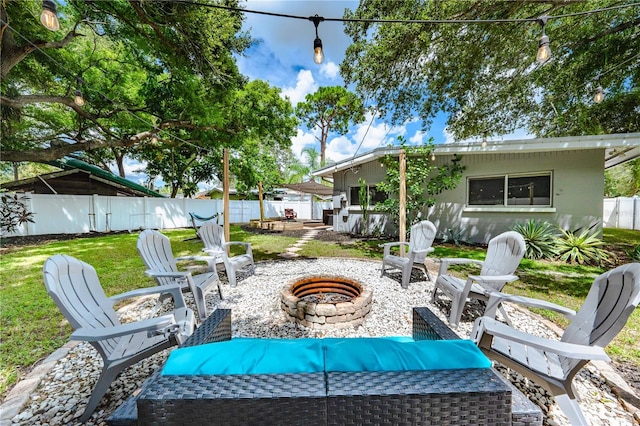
x=73, y=214
x=621, y=212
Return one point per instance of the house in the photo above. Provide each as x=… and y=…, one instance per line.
x=79, y=178
x=558, y=180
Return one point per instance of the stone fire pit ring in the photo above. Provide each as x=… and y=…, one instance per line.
x=352, y=302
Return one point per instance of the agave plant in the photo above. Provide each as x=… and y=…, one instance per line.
x=582, y=248
x=540, y=238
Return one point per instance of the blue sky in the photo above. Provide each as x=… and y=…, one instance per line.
x=283, y=56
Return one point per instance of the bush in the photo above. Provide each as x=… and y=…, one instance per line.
x=583, y=248
x=540, y=238
x=635, y=254
x=13, y=212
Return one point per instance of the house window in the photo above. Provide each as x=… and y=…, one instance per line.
x=375, y=196
x=511, y=190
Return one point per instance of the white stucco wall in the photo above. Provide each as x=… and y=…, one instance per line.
x=577, y=192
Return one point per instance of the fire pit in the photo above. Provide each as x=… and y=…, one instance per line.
x=326, y=302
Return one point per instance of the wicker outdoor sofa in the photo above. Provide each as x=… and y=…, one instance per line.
x=441, y=397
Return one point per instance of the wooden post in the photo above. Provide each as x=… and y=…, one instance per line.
x=261, y=203
x=403, y=199
x=225, y=197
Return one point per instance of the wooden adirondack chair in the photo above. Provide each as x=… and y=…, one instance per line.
x=212, y=236
x=504, y=254
x=155, y=250
x=75, y=288
x=421, y=238
x=553, y=364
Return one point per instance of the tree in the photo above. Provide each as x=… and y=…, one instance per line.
x=160, y=84
x=424, y=180
x=108, y=50
x=330, y=109
x=623, y=180
x=485, y=77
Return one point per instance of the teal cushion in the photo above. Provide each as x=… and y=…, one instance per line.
x=248, y=356
x=272, y=356
x=371, y=354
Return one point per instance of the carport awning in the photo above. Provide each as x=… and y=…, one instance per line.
x=311, y=187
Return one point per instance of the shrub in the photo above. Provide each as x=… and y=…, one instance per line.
x=635, y=253
x=540, y=238
x=582, y=248
x=13, y=212
x=454, y=235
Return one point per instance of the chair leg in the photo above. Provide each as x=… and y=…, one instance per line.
x=231, y=274
x=201, y=304
x=406, y=276
x=106, y=377
x=456, y=311
x=572, y=410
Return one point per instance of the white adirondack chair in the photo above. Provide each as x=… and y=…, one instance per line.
x=553, y=364
x=212, y=235
x=155, y=250
x=421, y=238
x=75, y=288
x=504, y=254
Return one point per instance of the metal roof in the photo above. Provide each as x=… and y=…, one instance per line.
x=619, y=148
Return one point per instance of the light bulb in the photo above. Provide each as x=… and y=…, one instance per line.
x=544, y=51
x=79, y=100
x=49, y=17
x=318, y=55
x=484, y=144
x=599, y=96
x=433, y=157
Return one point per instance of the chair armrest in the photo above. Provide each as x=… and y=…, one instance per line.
x=424, y=251
x=569, y=350
x=496, y=298
x=97, y=334
x=446, y=261
x=174, y=290
x=177, y=274
x=196, y=258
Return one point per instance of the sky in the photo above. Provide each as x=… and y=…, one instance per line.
x=283, y=56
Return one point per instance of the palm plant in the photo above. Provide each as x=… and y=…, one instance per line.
x=582, y=248
x=540, y=239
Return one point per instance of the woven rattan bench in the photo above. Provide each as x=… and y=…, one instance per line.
x=471, y=396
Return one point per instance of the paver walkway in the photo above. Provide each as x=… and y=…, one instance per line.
x=292, y=251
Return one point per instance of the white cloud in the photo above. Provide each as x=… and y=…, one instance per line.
x=330, y=70
x=418, y=138
x=305, y=84
x=300, y=141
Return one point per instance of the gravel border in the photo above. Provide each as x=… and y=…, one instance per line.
x=256, y=312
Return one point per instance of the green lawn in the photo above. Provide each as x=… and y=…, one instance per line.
x=31, y=326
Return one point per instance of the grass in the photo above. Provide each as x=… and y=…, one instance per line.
x=31, y=326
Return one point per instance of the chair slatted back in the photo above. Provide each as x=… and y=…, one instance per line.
x=611, y=300
x=212, y=236
x=155, y=250
x=504, y=254
x=421, y=237
x=75, y=288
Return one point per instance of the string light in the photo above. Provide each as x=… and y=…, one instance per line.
x=78, y=99
x=49, y=15
x=318, y=54
x=599, y=96
x=433, y=156
x=544, y=51
x=484, y=140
